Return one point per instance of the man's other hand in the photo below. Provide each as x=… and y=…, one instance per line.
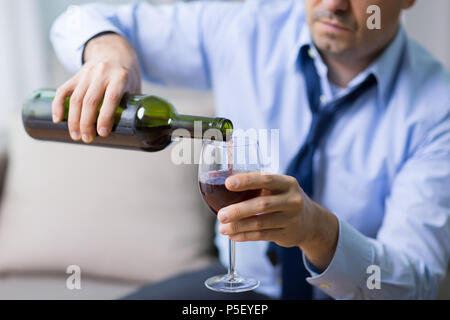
x=283, y=214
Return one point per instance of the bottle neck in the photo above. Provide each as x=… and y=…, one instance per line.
x=201, y=127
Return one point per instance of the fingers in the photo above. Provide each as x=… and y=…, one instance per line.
x=258, y=180
x=94, y=82
x=76, y=102
x=89, y=111
x=245, y=209
x=113, y=95
x=267, y=221
x=62, y=93
x=111, y=68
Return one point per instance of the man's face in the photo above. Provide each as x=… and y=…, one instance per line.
x=339, y=27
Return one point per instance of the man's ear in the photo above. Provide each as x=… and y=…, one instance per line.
x=408, y=4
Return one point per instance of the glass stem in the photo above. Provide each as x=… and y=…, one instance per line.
x=232, y=252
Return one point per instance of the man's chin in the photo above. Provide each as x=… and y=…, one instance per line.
x=331, y=44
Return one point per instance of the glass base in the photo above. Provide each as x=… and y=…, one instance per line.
x=231, y=284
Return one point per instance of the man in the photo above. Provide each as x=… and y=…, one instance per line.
x=364, y=119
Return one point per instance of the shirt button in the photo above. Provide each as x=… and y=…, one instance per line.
x=324, y=285
x=311, y=53
x=323, y=99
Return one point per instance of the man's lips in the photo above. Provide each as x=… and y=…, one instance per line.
x=333, y=26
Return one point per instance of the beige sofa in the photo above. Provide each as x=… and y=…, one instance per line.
x=125, y=218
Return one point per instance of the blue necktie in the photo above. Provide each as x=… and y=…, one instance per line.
x=293, y=271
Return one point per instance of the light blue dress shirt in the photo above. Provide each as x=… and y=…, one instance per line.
x=384, y=169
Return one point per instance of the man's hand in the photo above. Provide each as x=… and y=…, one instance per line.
x=111, y=68
x=283, y=214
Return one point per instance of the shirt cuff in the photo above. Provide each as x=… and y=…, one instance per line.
x=347, y=272
x=94, y=37
x=72, y=30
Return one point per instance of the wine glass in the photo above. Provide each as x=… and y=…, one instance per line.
x=218, y=161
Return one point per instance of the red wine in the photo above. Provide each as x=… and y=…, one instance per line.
x=217, y=196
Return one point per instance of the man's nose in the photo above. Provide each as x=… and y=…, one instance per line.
x=337, y=5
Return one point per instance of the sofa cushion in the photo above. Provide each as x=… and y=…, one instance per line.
x=115, y=213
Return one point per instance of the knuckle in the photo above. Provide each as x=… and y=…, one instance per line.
x=259, y=223
x=234, y=227
x=61, y=90
x=267, y=179
x=114, y=96
x=263, y=203
x=297, y=200
x=122, y=74
x=292, y=181
x=101, y=66
x=236, y=212
x=91, y=101
x=75, y=101
x=87, y=70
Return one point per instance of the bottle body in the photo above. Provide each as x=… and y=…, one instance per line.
x=141, y=122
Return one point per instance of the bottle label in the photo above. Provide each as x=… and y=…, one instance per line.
x=127, y=123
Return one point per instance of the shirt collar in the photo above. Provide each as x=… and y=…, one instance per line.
x=384, y=68
x=303, y=40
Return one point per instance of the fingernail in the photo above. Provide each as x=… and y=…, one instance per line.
x=223, y=216
x=222, y=229
x=75, y=135
x=103, y=131
x=55, y=118
x=233, y=182
x=86, y=138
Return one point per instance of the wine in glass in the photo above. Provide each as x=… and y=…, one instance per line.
x=218, y=161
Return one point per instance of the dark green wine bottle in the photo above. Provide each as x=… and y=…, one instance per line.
x=142, y=122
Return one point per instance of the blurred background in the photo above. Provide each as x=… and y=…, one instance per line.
x=27, y=57
x=28, y=61
x=129, y=229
